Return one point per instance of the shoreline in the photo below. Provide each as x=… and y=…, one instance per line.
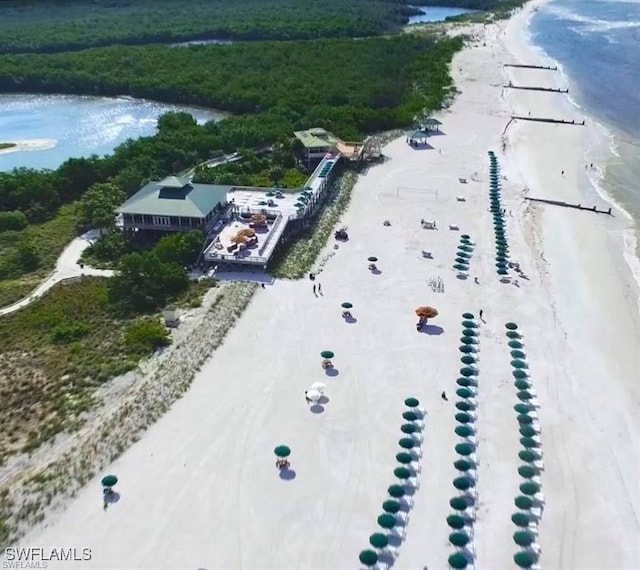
x=29, y=145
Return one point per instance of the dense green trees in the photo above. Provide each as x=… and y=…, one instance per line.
x=61, y=25
x=182, y=249
x=99, y=203
x=13, y=221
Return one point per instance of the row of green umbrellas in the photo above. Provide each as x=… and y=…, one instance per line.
x=464, y=253
x=502, y=247
x=388, y=520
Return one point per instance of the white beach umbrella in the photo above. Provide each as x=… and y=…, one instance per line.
x=314, y=395
x=319, y=387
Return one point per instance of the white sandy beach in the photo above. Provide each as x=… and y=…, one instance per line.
x=29, y=144
x=200, y=489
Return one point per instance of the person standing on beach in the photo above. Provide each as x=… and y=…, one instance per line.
x=314, y=288
x=480, y=313
x=320, y=288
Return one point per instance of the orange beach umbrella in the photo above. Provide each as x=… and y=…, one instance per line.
x=426, y=312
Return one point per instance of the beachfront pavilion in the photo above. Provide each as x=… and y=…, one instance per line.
x=416, y=138
x=173, y=204
x=430, y=125
x=317, y=142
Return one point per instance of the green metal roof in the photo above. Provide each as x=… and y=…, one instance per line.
x=175, y=197
x=431, y=122
x=417, y=135
x=316, y=138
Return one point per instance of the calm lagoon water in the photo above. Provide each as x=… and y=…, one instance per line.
x=436, y=14
x=78, y=125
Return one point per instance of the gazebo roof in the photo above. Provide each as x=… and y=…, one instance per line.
x=418, y=134
x=431, y=122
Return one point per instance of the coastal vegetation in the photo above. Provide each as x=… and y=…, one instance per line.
x=4, y=146
x=47, y=25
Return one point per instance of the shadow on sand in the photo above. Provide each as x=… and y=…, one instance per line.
x=287, y=474
x=431, y=330
x=351, y=320
x=332, y=371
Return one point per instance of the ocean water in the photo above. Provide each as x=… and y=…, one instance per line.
x=78, y=126
x=436, y=14
x=596, y=44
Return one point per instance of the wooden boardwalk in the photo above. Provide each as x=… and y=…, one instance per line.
x=546, y=67
x=527, y=88
x=545, y=120
x=569, y=205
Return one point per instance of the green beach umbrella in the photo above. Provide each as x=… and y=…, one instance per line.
x=409, y=428
x=517, y=363
x=464, y=382
x=466, y=349
x=463, y=483
x=461, y=260
x=463, y=465
x=379, y=540
x=404, y=458
x=524, y=538
x=520, y=519
x=464, y=393
x=372, y=259
x=282, y=451
x=467, y=248
x=327, y=354
x=524, y=395
x=464, y=255
x=459, y=539
x=511, y=326
x=464, y=449
x=502, y=272
x=523, y=502
x=109, y=480
x=410, y=416
x=529, y=488
x=396, y=491
x=458, y=561
x=387, y=521
x=368, y=558
x=466, y=371
x=513, y=334
x=517, y=354
x=468, y=316
x=464, y=418
x=460, y=267
x=468, y=359
x=527, y=471
x=455, y=521
x=519, y=373
x=468, y=324
x=464, y=431
x=523, y=408
x=464, y=406
x=391, y=507
x=346, y=305
x=468, y=340
x=524, y=419
x=522, y=384
x=407, y=443
x=515, y=344
x=524, y=559
x=412, y=402
x=528, y=456
x=527, y=431
x=402, y=473
x=529, y=442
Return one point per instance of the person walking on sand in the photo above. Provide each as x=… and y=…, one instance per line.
x=444, y=396
x=475, y=279
x=320, y=288
x=314, y=288
x=480, y=313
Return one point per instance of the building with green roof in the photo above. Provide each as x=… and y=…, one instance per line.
x=317, y=142
x=174, y=204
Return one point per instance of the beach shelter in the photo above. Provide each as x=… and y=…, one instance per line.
x=464, y=406
x=458, y=504
x=463, y=483
x=529, y=488
x=527, y=431
x=527, y=471
x=464, y=393
x=464, y=418
x=468, y=359
x=282, y=451
x=524, y=538
x=524, y=419
x=464, y=449
x=463, y=465
x=387, y=521
x=379, y=540
x=459, y=539
x=412, y=402
x=426, y=312
x=410, y=416
x=402, y=473
x=368, y=558
x=396, y=491
x=524, y=559
x=523, y=502
x=409, y=428
x=464, y=431
x=407, y=443
x=109, y=480
x=455, y=521
x=391, y=506
x=458, y=561
x=528, y=455
x=404, y=458
x=520, y=519
x=529, y=442
x=347, y=305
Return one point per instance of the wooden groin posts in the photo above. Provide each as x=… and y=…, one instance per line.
x=569, y=205
x=527, y=88
x=547, y=67
x=544, y=120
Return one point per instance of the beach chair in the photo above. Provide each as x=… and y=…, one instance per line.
x=454, y=227
x=429, y=225
x=461, y=199
x=427, y=254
